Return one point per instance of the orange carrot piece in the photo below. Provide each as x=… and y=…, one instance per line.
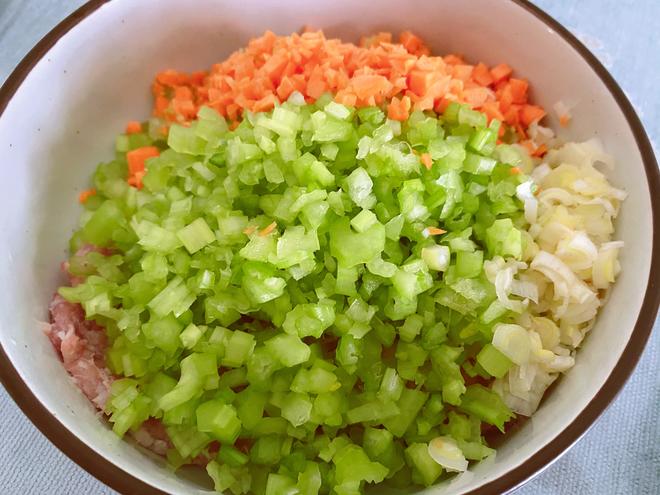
x=476, y=97
x=85, y=195
x=136, y=163
x=426, y=160
x=434, y=231
x=492, y=111
x=500, y=72
x=452, y=59
x=540, y=151
x=481, y=74
x=135, y=180
x=133, y=127
x=419, y=81
x=462, y=72
x=136, y=158
x=268, y=229
x=531, y=113
x=564, y=120
x=413, y=43
x=514, y=171
x=249, y=229
x=518, y=89
x=399, y=109
x=520, y=131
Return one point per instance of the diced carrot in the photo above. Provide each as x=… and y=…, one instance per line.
x=492, y=111
x=564, y=120
x=368, y=85
x=85, y=195
x=379, y=71
x=285, y=88
x=268, y=229
x=133, y=127
x=265, y=103
x=434, y=231
x=462, y=72
x=531, y=113
x=512, y=114
x=376, y=39
x=441, y=105
x=514, y=170
x=316, y=85
x=413, y=43
x=452, y=59
x=540, y=151
x=476, y=97
x=136, y=163
x=182, y=93
x=520, y=131
x=518, y=89
x=501, y=71
x=399, y=109
x=135, y=180
x=419, y=81
x=426, y=160
x=481, y=75
x=505, y=97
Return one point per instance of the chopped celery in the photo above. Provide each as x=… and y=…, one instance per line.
x=300, y=276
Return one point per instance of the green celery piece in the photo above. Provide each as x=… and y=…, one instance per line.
x=164, y=333
x=174, y=298
x=195, y=370
x=352, y=248
x=185, y=140
x=238, y=349
x=493, y=361
x=219, y=419
x=267, y=450
x=315, y=380
x=421, y=461
x=309, y=479
x=296, y=408
x=504, y=239
x=410, y=403
x=486, y=405
x=469, y=264
x=372, y=411
x=188, y=441
x=353, y=465
x=103, y=223
x=288, y=349
x=279, y=484
x=196, y=235
x=261, y=282
x=306, y=320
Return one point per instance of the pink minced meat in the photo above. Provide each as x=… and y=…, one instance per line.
x=81, y=344
x=152, y=435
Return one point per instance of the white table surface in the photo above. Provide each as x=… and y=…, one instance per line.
x=619, y=455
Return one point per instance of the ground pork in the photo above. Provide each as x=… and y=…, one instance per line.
x=81, y=344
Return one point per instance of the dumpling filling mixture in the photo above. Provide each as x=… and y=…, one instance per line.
x=320, y=266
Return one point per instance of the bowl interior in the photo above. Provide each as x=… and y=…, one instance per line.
x=63, y=118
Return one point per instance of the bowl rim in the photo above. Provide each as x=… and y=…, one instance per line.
x=118, y=479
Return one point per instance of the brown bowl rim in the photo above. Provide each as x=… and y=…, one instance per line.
x=124, y=482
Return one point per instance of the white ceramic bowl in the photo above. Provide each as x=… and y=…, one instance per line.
x=91, y=74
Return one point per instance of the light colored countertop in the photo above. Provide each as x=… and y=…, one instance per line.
x=619, y=455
